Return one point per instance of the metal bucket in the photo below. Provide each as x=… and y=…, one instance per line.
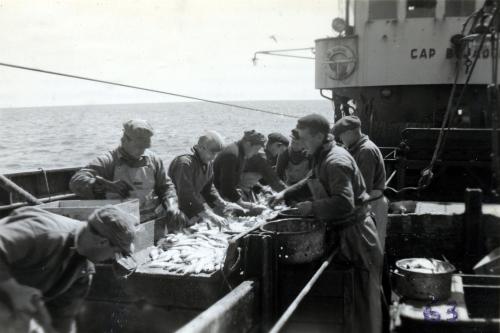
x=291, y=213
x=423, y=283
x=300, y=240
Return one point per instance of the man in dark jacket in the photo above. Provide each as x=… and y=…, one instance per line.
x=276, y=144
x=371, y=163
x=339, y=197
x=294, y=164
x=260, y=169
x=45, y=263
x=229, y=165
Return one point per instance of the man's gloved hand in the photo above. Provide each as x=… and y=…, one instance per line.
x=120, y=187
x=174, y=214
x=214, y=218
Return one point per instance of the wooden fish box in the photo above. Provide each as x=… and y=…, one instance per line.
x=81, y=209
x=156, y=286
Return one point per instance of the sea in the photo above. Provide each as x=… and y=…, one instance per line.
x=71, y=136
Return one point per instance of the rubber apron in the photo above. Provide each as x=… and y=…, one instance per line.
x=379, y=209
x=143, y=180
x=359, y=246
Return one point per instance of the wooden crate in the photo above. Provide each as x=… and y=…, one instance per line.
x=81, y=209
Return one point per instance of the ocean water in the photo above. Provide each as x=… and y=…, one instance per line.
x=70, y=136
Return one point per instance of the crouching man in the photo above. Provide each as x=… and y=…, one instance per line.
x=46, y=263
x=339, y=199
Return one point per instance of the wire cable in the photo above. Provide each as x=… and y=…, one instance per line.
x=38, y=70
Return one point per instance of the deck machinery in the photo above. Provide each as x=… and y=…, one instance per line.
x=399, y=66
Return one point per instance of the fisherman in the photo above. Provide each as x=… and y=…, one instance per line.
x=276, y=144
x=339, y=199
x=294, y=163
x=193, y=176
x=46, y=264
x=229, y=165
x=131, y=170
x=371, y=164
x=260, y=169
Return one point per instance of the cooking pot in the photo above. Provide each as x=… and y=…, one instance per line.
x=300, y=240
x=423, y=278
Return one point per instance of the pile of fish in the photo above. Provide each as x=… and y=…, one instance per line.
x=201, y=252
x=200, y=248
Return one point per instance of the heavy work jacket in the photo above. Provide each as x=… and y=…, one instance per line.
x=356, y=239
x=38, y=249
x=151, y=176
x=371, y=163
x=335, y=169
x=228, y=168
x=193, y=181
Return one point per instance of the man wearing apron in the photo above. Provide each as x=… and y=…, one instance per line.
x=293, y=164
x=131, y=170
x=339, y=199
x=46, y=264
x=371, y=163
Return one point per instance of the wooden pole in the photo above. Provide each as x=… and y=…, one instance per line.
x=12, y=187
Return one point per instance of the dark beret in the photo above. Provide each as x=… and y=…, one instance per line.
x=315, y=122
x=277, y=137
x=345, y=124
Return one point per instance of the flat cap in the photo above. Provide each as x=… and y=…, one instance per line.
x=345, y=124
x=315, y=122
x=254, y=137
x=138, y=129
x=277, y=137
x=115, y=225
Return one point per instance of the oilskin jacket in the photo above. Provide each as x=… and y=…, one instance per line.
x=193, y=181
x=338, y=189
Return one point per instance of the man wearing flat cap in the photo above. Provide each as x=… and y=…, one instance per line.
x=131, y=170
x=294, y=164
x=46, y=263
x=339, y=199
x=229, y=165
x=276, y=144
x=371, y=163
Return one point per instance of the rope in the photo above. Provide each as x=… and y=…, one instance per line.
x=426, y=176
x=38, y=70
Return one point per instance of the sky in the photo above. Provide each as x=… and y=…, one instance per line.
x=201, y=48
